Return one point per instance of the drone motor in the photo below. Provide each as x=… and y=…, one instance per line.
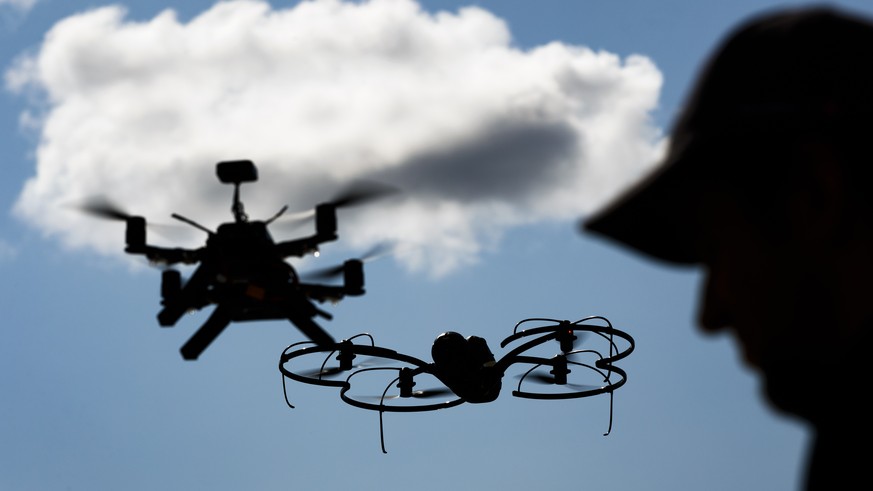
x=353, y=276
x=325, y=220
x=135, y=235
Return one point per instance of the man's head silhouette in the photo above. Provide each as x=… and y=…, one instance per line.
x=767, y=184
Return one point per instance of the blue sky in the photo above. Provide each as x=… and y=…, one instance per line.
x=96, y=395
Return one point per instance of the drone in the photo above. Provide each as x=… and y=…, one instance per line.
x=467, y=369
x=242, y=270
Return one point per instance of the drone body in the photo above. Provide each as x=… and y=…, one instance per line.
x=467, y=367
x=242, y=270
x=469, y=370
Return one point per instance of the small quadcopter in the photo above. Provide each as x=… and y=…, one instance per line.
x=467, y=369
x=242, y=269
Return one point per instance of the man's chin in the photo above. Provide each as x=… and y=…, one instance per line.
x=797, y=390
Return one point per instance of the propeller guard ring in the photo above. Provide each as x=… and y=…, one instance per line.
x=554, y=331
x=345, y=385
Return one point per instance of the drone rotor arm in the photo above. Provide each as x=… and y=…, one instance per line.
x=301, y=247
x=208, y=332
x=332, y=293
x=312, y=330
x=323, y=293
x=191, y=297
x=170, y=256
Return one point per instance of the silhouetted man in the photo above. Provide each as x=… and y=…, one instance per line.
x=768, y=184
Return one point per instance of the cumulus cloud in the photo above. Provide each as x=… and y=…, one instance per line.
x=479, y=134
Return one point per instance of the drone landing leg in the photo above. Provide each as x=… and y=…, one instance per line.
x=176, y=306
x=312, y=330
x=207, y=333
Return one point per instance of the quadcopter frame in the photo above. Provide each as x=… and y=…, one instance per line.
x=562, y=331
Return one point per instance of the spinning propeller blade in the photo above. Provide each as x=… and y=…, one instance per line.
x=547, y=379
x=357, y=193
x=102, y=207
x=377, y=251
x=326, y=273
x=290, y=221
x=416, y=394
x=361, y=192
x=326, y=372
x=335, y=370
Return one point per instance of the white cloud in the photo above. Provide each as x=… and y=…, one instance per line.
x=479, y=134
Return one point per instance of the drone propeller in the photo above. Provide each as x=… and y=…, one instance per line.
x=102, y=207
x=416, y=394
x=546, y=379
x=560, y=368
x=357, y=193
x=360, y=192
x=291, y=221
x=327, y=371
x=405, y=383
x=336, y=370
x=377, y=251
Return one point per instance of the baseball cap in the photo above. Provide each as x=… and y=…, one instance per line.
x=778, y=78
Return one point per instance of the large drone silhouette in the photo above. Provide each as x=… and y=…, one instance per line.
x=242, y=270
x=468, y=370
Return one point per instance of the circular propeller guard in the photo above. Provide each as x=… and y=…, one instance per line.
x=564, y=332
x=345, y=352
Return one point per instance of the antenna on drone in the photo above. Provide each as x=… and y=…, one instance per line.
x=237, y=172
x=192, y=223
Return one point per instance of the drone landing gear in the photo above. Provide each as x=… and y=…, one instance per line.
x=176, y=299
x=214, y=325
x=312, y=330
x=222, y=316
x=171, y=285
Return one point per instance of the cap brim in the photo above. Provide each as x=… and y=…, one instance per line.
x=660, y=216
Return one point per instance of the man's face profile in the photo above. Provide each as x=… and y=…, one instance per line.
x=766, y=186
x=782, y=276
